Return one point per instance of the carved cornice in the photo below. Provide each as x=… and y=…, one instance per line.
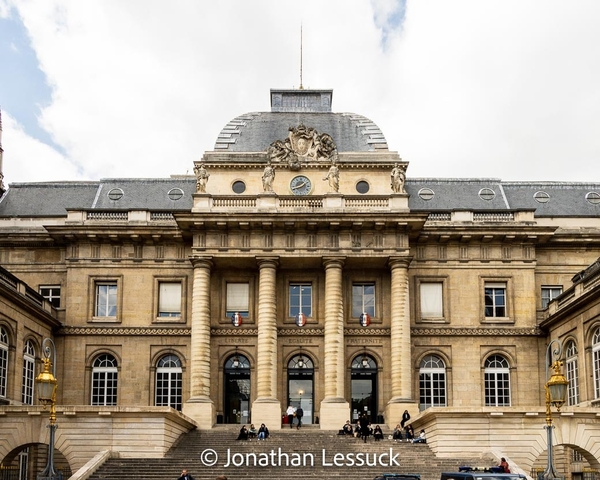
x=234, y=331
x=476, y=332
x=127, y=331
x=300, y=331
x=367, y=331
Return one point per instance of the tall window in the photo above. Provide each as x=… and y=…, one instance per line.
x=300, y=299
x=169, y=382
x=106, y=299
x=431, y=300
x=497, y=382
x=432, y=382
x=169, y=299
x=28, y=373
x=572, y=373
x=549, y=294
x=52, y=294
x=104, y=380
x=3, y=361
x=363, y=299
x=596, y=362
x=495, y=299
x=238, y=295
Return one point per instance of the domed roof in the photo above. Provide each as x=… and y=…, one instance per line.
x=254, y=132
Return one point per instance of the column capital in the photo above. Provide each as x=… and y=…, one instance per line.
x=334, y=261
x=202, y=262
x=399, y=262
x=267, y=261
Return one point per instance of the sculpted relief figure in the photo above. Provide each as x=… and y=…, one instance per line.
x=333, y=176
x=303, y=143
x=201, y=178
x=268, y=177
x=397, y=178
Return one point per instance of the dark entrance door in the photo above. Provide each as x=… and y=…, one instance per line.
x=364, y=387
x=236, y=408
x=300, y=386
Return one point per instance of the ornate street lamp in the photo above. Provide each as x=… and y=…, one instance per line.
x=556, y=394
x=46, y=387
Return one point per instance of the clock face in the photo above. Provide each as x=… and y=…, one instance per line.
x=301, y=185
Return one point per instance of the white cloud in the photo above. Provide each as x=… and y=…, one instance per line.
x=466, y=88
x=32, y=161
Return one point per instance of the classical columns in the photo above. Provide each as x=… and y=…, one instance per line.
x=266, y=408
x=400, y=346
x=199, y=406
x=334, y=409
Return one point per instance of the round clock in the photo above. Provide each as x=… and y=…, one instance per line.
x=301, y=185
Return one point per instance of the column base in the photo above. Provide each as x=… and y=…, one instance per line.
x=268, y=411
x=395, y=408
x=333, y=414
x=201, y=410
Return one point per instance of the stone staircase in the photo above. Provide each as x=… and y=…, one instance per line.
x=288, y=453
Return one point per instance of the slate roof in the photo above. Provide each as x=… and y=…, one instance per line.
x=52, y=199
x=254, y=132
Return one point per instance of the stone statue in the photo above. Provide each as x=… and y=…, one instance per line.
x=333, y=175
x=302, y=143
x=397, y=178
x=201, y=178
x=268, y=177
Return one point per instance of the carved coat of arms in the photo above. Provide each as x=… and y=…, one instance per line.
x=303, y=144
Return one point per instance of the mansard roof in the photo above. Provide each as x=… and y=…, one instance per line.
x=53, y=199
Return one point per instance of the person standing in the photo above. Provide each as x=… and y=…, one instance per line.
x=185, y=475
x=365, y=430
x=504, y=465
x=299, y=415
x=290, y=414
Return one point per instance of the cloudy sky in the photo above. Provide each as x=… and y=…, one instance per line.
x=507, y=89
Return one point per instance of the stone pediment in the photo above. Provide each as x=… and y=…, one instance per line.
x=303, y=145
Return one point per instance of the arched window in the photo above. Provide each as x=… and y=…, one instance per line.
x=28, y=373
x=497, y=382
x=596, y=362
x=572, y=373
x=168, y=382
x=3, y=361
x=104, y=380
x=432, y=382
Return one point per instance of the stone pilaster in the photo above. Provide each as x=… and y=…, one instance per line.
x=400, y=345
x=266, y=408
x=199, y=406
x=334, y=410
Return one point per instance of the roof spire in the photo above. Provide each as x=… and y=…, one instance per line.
x=301, y=87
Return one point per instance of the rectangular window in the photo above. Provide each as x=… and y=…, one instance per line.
x=3, y=369
x=549, y=294
x=432, y=305
x=238, y=295
x=52, y=294
x=169, y=299
x=363, y=299
x=106, y=299
x=300, y=299
x=495, y=300
x=28, y=379
x=497, y=389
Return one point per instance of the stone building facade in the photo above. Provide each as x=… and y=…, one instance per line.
x=300, y=265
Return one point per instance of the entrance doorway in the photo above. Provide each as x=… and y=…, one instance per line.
x=236, y=408
x=300, y=385
x=364, y=387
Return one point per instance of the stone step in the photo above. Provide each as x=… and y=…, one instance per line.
x=305, y=453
